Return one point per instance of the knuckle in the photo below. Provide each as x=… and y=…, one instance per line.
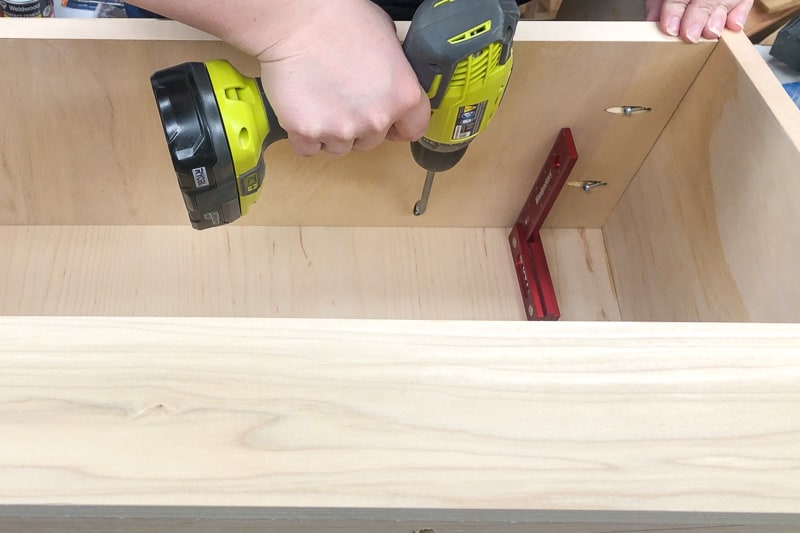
x=305, y=149
x=706, y=7
x=344, y=131
x=377, y=121
x=307, y=130
x=409, y=96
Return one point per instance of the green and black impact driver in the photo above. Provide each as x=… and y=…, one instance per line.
x=218, y=123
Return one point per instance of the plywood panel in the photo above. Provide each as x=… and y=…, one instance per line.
x=290, y=272
x=86, y=146
x=706, y=230
x=400, y=414
x=581, y=276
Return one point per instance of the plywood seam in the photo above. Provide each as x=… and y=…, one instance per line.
x=658, y=138
x=612, y=284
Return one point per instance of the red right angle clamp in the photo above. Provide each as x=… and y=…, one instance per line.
x=535, y=283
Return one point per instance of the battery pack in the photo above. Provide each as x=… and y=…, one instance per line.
x=787, y=44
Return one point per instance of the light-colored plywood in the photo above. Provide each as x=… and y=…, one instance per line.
x=706, y=230
x=290, y=272
x=162, y=30
x=87, y=147
x=581, y=276
x=100, y=30
x=400, y=414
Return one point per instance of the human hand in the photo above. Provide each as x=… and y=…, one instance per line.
x=692, y=19
x=338, y=80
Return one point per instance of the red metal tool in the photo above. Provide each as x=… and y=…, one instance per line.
x=535, y=283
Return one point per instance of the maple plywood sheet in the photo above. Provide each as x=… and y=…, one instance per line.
x=426, y=273
x=707, y=230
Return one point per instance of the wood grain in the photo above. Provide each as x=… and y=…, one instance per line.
x=87, y=146
x=582, y=278
x=705, y=231
x=400, y=414
x=290, y=272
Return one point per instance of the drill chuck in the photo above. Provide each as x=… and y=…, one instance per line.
x=436, y=157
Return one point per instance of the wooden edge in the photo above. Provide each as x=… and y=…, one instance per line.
x=100, y=29
x=388, y=519
x=167, y=30
x=400, y=414
x=88, y=329
x=780, y=104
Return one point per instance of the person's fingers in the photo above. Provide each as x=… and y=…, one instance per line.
x=414, y=123
x=693, y=19
x=698, y=15
x=652, y=10
x=380, y=122
x=671, y=15
x=337, y=146
x=738, y=15
x=303, y=145
x=368, y=142
x=716, y=22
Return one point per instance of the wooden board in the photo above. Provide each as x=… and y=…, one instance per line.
x=705, y=231
x=400, y=414
x=771, y=6
x=87, y=145
x=291, y=272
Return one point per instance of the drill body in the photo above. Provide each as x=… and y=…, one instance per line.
x=461, y=52
x=218, y=123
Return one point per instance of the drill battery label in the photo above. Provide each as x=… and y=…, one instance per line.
x=200, y=176
x=469, y=120
x=214, y=217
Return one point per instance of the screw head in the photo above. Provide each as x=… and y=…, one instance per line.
x=514, y=242
x=530, y=309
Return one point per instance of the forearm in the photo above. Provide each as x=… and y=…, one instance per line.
x=334, y=71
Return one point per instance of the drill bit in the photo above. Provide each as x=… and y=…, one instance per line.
x=422, y=204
